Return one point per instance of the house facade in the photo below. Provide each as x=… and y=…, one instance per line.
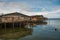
x=13, y=17
x=19, y=17
x=37, y=18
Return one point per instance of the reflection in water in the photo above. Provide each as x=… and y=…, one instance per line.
x=49, y=31
x=30, y=25
x=14, y=34
x=18, y=32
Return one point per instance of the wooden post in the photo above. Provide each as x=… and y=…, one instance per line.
x=20, y=25
x=13, y=26
x=13, y=23
x=17, y=25
x=5, y=26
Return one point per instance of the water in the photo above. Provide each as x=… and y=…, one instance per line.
x=49, y=31
x=45, y=32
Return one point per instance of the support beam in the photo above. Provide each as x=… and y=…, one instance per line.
x=13, y=26
x=20, y=25
x=5, y=26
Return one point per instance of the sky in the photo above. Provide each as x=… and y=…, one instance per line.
x=47, y=8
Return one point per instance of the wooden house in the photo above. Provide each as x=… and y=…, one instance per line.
x=13, y=17
x=36, y=18
x=19, y=17
x=16, y=19
x=13, y=20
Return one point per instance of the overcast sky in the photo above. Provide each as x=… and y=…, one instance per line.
x=48, y=8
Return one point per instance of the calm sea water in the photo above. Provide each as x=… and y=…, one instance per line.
x=50, y=31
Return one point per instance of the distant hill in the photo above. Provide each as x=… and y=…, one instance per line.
x=53, y=18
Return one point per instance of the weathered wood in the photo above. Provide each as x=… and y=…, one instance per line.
x=5, y=26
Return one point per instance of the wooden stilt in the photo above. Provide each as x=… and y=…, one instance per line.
x=20, y=25
x=17, y=25
x=13, y=26
x=5, y=26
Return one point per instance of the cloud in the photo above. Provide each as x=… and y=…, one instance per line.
x=2, y=3
x=12, y=6
x=28, y=8
x=53, y=14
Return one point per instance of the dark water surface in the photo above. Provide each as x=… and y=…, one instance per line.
x=50, y=31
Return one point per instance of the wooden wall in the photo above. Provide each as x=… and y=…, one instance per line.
x=13, y=18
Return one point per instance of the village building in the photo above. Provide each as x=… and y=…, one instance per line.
x=18, y=19
x=37, y=18
x=12, y=20
x=13, y=17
